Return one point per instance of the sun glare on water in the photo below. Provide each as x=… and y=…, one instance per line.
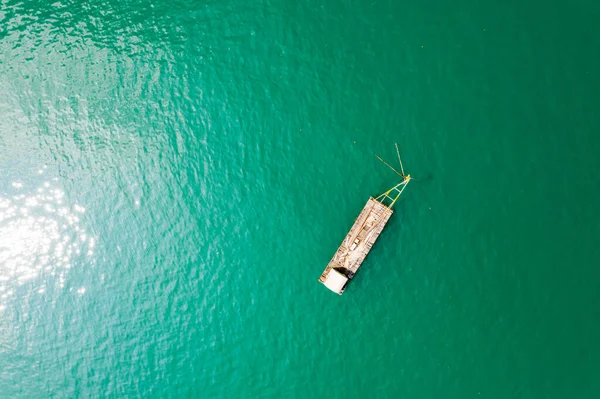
x=40, y=237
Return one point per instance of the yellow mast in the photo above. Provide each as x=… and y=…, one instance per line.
x=398, y=188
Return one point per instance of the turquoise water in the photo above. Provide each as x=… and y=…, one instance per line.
x=175, y=176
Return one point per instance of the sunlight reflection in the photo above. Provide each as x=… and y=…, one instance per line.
x=39, y=235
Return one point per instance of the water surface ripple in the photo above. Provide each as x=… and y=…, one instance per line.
x=175, y=175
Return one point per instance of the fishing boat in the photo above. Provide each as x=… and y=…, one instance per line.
x=364, y=232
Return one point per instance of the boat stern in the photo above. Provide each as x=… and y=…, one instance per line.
x=335, y=281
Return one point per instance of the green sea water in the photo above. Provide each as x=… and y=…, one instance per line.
x=175, y=176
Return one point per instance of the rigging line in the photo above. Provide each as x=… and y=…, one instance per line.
x=389, y=166
x=399, y=159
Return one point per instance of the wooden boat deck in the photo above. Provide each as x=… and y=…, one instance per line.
x=360, y=239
